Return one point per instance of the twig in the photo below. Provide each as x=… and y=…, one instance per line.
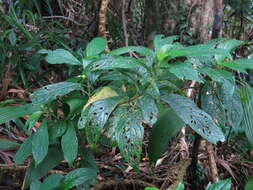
x=212, y=163
x=102, y=21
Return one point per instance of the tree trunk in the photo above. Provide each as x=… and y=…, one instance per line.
x=152, y=19
x=217, y=25
x=206, y=19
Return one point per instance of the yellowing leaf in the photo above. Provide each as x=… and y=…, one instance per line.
x=105, y=92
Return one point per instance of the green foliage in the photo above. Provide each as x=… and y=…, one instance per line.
x=196, y=118
x=220, y=185
x=116, y=95
x=246, y=95
x=50, y=92
x=249, y=184
x=40, y=143
x=162, y=131
x=6, y=144
x=78, y=177
x=95, y=47
x=12, y=112
x=180, y=186
x=69, y=143
x=151, y=188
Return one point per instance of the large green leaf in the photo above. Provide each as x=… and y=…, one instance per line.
x=185, y=71
x=228, y=45
x=96, y=46
x=246, y=95
x=51, y=182
x=249, y=184
x=35, y=185
x=52, y=159
x=115, y=62
x=6, y=144
x=40, y=143
x=60, y=56
x=196, y=50
x=211, y=104
x=73, y=106
x=88, y=159
x=143, y=51
x=217, y=75
x=234, y=66
x=78, y=177
x=12, y=112
x=69, y=143
x=149, y=109
x=225, y=111
x=220, y=185
x=94, y=117
x=197, y=119
x=239, y=64
x=129, y=133
x=50, y=92
x=24, y=151
x=57, y=130
x=162, y=131
x=160, y=40
x=180, y=186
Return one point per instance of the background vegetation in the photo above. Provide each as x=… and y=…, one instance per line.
x=152, y=93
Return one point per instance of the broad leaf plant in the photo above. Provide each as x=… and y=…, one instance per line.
x=119, y=93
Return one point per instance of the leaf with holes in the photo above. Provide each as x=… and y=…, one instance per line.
x=95, y=46
x=50, y=92
x=129, y=133
x=60, y=56
x=234, y=111
x=162, y=131
x=211, y=104
x=149, y=109
x=226, y=90
x=69, y=143
x=94, y=117
x=224, y=111
x=40, y=143
x=102, y=93
x=197, y=119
